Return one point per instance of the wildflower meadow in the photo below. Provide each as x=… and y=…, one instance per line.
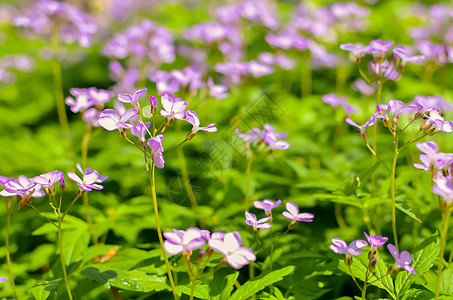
x=226, y=150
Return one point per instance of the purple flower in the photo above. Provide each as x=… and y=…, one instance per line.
x=3, y=279
x=173, y=107
x=269, y=137
x=230, y=246
x=401, y=52
x=86, y=98
x=133, y=99
x=435, y=122
x=218, y=91
x=253, y=136
x=267, y=206
x=376, y=241
x=48, y=180
x=334, y=101
x=340, y=246
x=188, y=77
x=110, y=119
x=4, y=180
x=155, y=144
x=179, y=241
x=90, y=179
x=444, y=188
x=293, y=214
x=193, y=119
x=378, y=48
x=260, y=224
x=402, y=260
x=355, y=49
x=257, y=69
x=23, y=186
x=140, y=131
x=432, y=160
x=363, y=87
x=361, y=129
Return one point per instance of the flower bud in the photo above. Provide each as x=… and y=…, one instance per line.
x=372, y=264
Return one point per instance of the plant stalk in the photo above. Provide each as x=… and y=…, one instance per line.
x=8, y=257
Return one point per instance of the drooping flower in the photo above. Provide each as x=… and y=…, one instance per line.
x=293, y=214
x=110, y=119
x=267, y=205
x=361, y=129
x=179, y=241
x=230, y=246
x=402, y=260
x=89, y=180
x=193, y=119
x=155, y=143
x=257, y=224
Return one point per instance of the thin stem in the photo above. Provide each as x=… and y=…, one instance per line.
x=176, y=147
x=186, y=179
x=305, y=74
x=86, y=204
x=377, y=156
x=375, y=133
x=353, y=278
x=137, y=146
x=443, y=240
x=63, y=265
x=70, y=205
x=58, y=86
x=363, y=74
x=8, y=258
x=191, y=277
x=247, y=180
x=272, y=248
x=43, y=215
x=159, y=232
x=392, y=189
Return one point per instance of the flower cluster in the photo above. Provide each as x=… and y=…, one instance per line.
x=90, y=102
x=46, y=15
x=402, y=260
x=26, y=188
x=291, y=213
x=380, y=68
x=228, y=244
x=426, y=108
x=172, y=108
x=268, y=136
x=335, y=101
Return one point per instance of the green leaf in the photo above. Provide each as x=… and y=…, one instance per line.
x=360, y=179
x=255, y=285
x=42, y=290
x=133, y=280
x=201, y=290
x=404, y=207
x=424, y=257
x=359, y=269
x=222, y=284
x=75, y=243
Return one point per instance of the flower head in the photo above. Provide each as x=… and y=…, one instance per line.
x=269, y=137
x=293, y=214
x=90, y=179
x=267, y=205
x=173, y=107
x=155, y=143
x=110, y=119
x=402, y=260
x=48, y=180
x=260, y=224
x=193, y=119
x=133, y=99
x=340, y=246
x=140, y=130
x=361, y=129
x=230, y=246
x=179, y=241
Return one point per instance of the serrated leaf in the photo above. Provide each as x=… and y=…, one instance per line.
x=42, y=290
x=222, y=284
x=255, y=285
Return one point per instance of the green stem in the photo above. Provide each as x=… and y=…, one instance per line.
x=392, y=189
x=191, y=277
x=375, y=133
x=59, y=96
x=84, y=154
x=159, y=232
x=443, y=240
x=63, y=265
x=43, y=215
x=272, y=248
x=353, y=278
x=247, y=181
x=305, y=74
x=8, y=258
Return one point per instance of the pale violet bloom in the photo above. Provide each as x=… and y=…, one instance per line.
x=193, y=119
x=402, y=260
x=293, y=214
x=155, y=144
x=173, y=107
x=257, y=224
x=133, y=99
x=89, y=180
x=110, y=119
x=23, y=187
x=179, y=241
x=230, y=246
x=267, y=205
